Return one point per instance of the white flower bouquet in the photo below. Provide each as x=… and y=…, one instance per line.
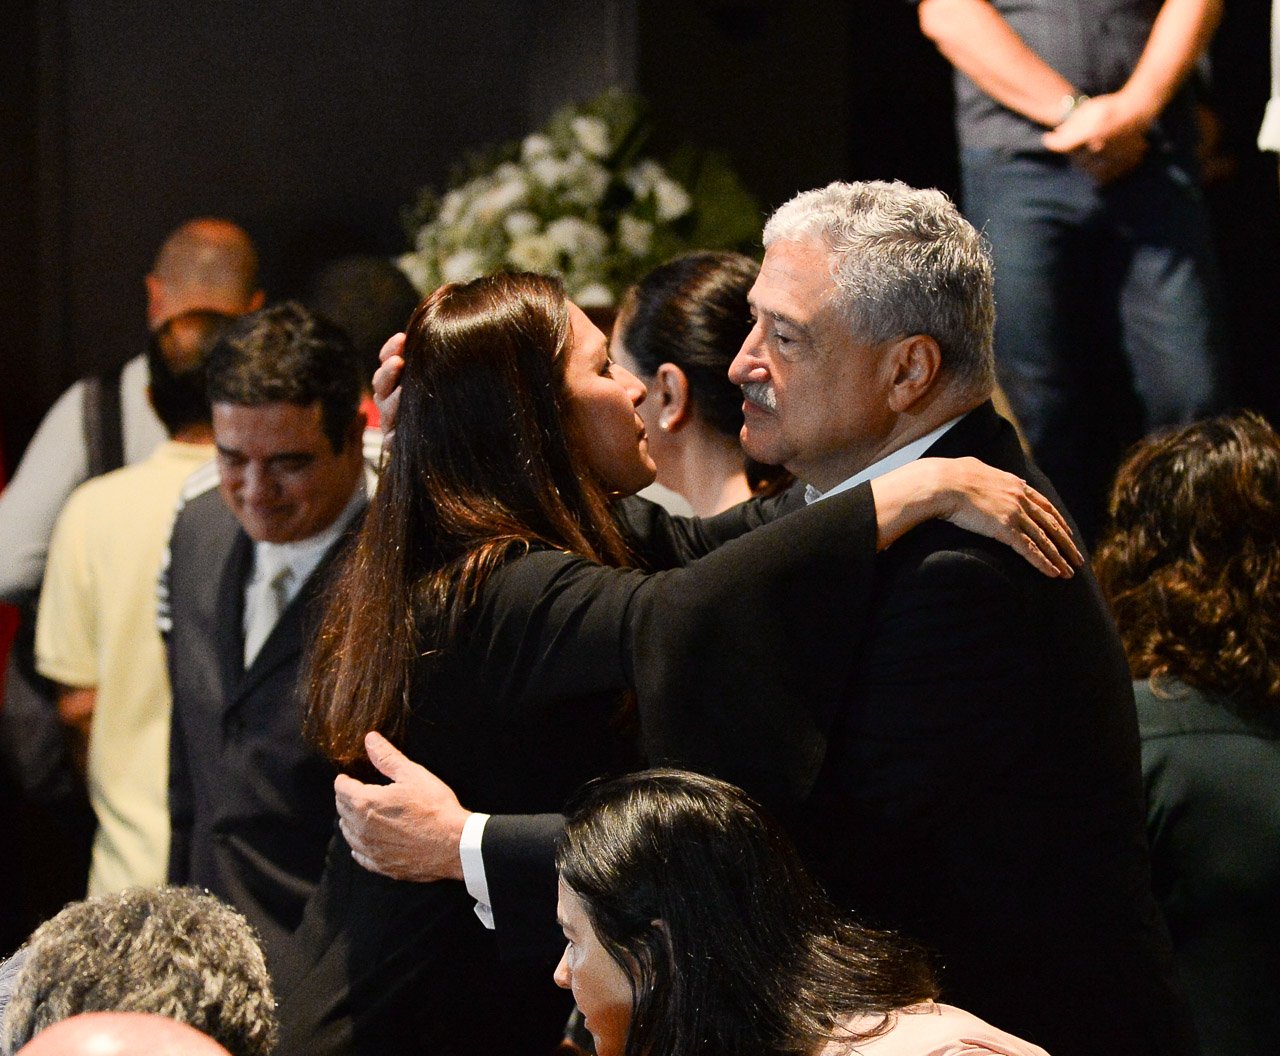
x=577, y=199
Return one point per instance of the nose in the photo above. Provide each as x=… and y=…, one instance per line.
x=749, y=364
x=562, y=976
x=256, y=483
x=634, y=387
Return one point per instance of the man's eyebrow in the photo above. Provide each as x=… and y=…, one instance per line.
x=782, y=317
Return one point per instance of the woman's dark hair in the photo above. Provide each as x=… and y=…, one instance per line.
x=1190, y=561
x=692, y=311
x=481, y=466
x=749, y=951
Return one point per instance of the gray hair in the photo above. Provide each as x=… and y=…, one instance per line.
x=174, y=952
x=904, y=261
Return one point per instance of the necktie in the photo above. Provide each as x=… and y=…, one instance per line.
x=271, y=603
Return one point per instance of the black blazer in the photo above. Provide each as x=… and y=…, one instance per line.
x=517, y=714
x=251, y=804
x=967, y=773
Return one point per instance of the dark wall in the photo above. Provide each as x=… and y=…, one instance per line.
x=310, y=124
x=20, y=402
x=314, y=130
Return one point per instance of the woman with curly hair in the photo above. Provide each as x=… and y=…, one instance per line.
x=693, y=927
x=1191, y=566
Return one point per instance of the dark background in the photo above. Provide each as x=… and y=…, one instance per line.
x=314, y=124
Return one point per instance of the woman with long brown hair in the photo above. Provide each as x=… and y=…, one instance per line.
x=481, y=621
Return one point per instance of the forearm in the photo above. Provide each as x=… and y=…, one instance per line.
x=905, y=499
x=1179, y=37
x=977, y=41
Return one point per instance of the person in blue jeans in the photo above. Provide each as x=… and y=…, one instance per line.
x=1078, y=138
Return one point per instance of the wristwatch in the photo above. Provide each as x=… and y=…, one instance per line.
x=1069, y=105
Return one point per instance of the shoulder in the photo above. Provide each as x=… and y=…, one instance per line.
x=540, y=576
x=202, y=525
x=935, y=1028
x=1170, y=709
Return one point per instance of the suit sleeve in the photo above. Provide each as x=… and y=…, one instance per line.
x=520, y=862
x=732, y=659
x=181, y=807
x=662, y=540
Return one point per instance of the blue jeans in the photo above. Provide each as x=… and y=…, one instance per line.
x=1108, y=319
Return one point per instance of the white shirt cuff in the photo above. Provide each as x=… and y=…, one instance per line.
x=473, y=874
x=1269, y=134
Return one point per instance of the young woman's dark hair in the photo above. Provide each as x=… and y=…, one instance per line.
x=749, y=950
x=482, y=465
x=1191, y=559
x=692, y=311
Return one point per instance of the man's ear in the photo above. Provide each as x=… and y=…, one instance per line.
x=671, y=390
x=916, y=362
x=157, y=306
x=258, y=299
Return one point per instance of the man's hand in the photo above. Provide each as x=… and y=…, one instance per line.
x=407, y=830
x=386, y=382
x=1104, y=136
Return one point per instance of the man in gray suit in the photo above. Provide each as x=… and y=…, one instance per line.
x=251, y=803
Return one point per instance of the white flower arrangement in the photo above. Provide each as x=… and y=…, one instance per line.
x=576, y=199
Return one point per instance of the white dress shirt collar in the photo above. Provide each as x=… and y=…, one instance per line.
x=304, y=555
x=894, y=460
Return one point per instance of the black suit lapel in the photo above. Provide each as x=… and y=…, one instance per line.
x=235, y=574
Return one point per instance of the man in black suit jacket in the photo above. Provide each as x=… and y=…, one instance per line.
x=251, y=803
x=969, y=773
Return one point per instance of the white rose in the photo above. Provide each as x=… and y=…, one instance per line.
x=535, y=146
x=461, y=266
x=634, y=235
x=499, y=199
x=589, y=183
x=594, y=295
x=520, y=223
x=671, y=199
x=592, y=135
x=532, y=253
x=577, y=237
x=549, y=171
x=451, y=208
x=642, y=177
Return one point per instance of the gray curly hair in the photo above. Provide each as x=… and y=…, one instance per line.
x=172, y=951
x=904, y=261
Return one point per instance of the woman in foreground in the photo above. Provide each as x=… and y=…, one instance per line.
x=1191, y=566
x=483, y=621
x=693, y=927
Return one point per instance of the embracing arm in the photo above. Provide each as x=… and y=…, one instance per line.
x=770, y=602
